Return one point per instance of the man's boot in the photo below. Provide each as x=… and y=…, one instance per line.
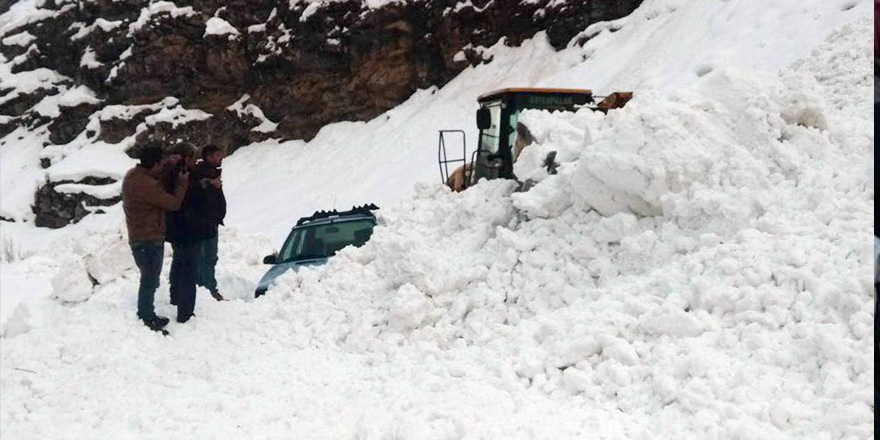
x=156, y=323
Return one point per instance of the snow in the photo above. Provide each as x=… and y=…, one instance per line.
x=23, y=83
x=695, y=269
x=100, y=23
x=266, y=125
x=219, y=26
x=51, y=106
x=20, y=175
x=22, y=13
x=176, y=116
x=99, y=191
x=22, y=39
x=156, y=8
x=98, y=160
x=89, y=60
x=256, y=28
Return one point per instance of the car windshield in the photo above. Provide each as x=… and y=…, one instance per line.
x=322, y=241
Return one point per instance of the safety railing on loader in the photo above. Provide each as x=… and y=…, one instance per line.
x=443, y=158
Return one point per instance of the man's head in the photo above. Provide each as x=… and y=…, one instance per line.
x=151, y=158
x=186, y=152
x=213, y=155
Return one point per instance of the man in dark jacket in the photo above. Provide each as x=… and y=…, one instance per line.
x=179, y=234
x=208, y=200
x=145, y=203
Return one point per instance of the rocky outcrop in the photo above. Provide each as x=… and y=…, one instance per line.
x=304, y=68
x=55, y=209
x=295, y=66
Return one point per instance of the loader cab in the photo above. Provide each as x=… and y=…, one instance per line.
x=497, y=120
x=501, y=137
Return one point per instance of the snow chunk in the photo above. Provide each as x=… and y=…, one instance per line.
x=219, y=26
x=108, y=262
x=71, y=283
x=675, y=323
x=21, y=321
x=409, y=309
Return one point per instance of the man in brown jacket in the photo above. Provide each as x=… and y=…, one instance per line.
x=145, y=203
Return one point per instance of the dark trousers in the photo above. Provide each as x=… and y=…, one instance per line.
x=183, y=277
x=207, y=261
x=148, y=258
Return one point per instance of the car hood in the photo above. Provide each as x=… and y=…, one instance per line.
x=281, y=268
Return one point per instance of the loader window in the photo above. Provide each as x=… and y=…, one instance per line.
x=489, y=138
x=511, y=128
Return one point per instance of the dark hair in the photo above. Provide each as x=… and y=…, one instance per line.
x=209, y=150
x=183, y=149
x=150, y=155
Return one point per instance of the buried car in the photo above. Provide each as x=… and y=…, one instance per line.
x=316, y=238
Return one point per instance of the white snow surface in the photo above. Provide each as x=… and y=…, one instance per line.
x=696, y=269
x=219, y=26
x=158, y=8
x=20, y=39
x=89, y=59
x=22, y=13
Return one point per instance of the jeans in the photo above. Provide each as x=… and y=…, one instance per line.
x=207, y=260
x=183, y=277
x=148, y=258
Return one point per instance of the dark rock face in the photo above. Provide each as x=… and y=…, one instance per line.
x=303, y=68
x=70, y=123
x=55, y=210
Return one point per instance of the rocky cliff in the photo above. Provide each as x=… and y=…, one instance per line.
x=119, y=72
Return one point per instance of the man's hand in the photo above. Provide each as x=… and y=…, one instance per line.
x=183, y=175
x=217, y=183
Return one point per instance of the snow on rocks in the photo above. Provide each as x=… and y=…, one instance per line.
x=240, y=109
x=50, y=105
x=177, y=116
x=158, y=8
x=89, y=60
x=220, y=27
x=22, y=13
x=23, y=39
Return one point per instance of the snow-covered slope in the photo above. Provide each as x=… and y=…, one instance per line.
x=697, y=269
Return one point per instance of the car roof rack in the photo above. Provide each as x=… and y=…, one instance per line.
x=365, y=209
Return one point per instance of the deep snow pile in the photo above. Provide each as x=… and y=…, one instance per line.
x=696, y=269
x=722, y=282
